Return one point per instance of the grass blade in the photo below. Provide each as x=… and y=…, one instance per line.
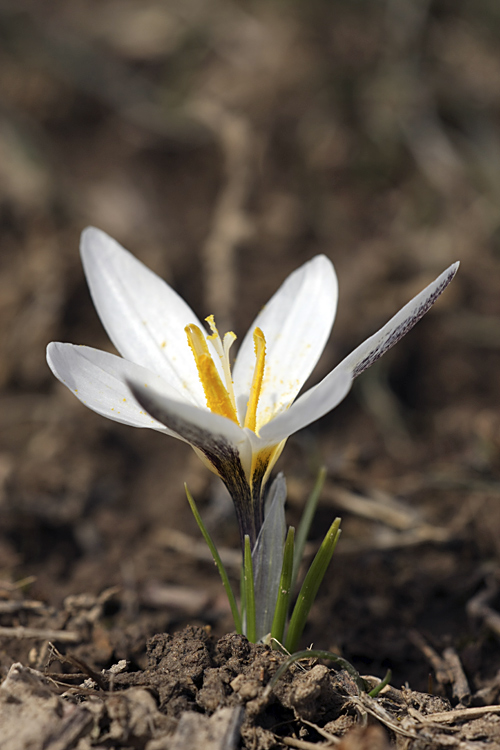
x=311, y=584
x=378, y=688
x=249, y=592
x=305, y=523
x=218, y=562
x=281, y=610
x=242, y=596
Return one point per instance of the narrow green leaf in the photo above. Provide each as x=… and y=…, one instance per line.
x=305, y=523
x=376, y=690
x=311, y=584
x=281, y=610
x=316, y=654
x=217, y=560
x=249, y=592
x=242, y=593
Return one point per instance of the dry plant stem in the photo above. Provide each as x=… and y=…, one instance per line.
x=478, y=607
x=417, y=720
x=16, y=605
x=391, y=512
x=188, y=545
x=410, y=529
x=44, y=634
x=398, y=515
x=461, y=689
x=459, y=714
x=303, y=744
x=330, y=737
x=384, y=509
x=399, y=540
x=370, y=706
x=437, y=663
x=21, y=583
x=230, y=224
x=190, y=600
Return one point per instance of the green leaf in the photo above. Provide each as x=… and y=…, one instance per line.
x=249, y=592
x=218, y=562
x=242, y=593
x=377, y=689
x=305, y=523
x=311, y=584
x=281, y=610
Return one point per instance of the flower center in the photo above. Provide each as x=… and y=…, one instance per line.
x=219, y=393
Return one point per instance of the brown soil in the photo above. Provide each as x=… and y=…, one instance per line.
x=225, y=144
x=195, y=690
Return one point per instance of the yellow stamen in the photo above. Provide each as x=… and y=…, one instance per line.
x=218, y=399
x=258, y=376
x=222, y=348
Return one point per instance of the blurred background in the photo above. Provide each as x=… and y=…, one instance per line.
x=224, y=144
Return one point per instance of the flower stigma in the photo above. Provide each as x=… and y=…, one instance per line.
x=218, y=394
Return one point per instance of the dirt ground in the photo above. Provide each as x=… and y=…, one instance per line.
x=225, y=143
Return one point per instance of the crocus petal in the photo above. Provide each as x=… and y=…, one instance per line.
x=309, y=407
x=99, y=380
x=324, y=396
x=216, y=437
x=221, y=442
x=144, y=318
x=398, y=326
x=296, y=323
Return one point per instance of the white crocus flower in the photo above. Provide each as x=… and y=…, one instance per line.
x=175, y=377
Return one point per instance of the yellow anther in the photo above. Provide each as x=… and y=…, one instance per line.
x=222, y=348
x=216, y=394
x=211, y=322
x=258, y=376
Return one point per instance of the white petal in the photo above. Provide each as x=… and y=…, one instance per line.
x=309, y=407
x=218, y=438
x=98, y=379
x=398, y=326
x=143, y=316
x=296, y=323
x=323, y=397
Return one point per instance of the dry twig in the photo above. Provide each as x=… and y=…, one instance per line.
x=188, y=545
x=45, y=634
x=478, y=607
x=17, y=605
